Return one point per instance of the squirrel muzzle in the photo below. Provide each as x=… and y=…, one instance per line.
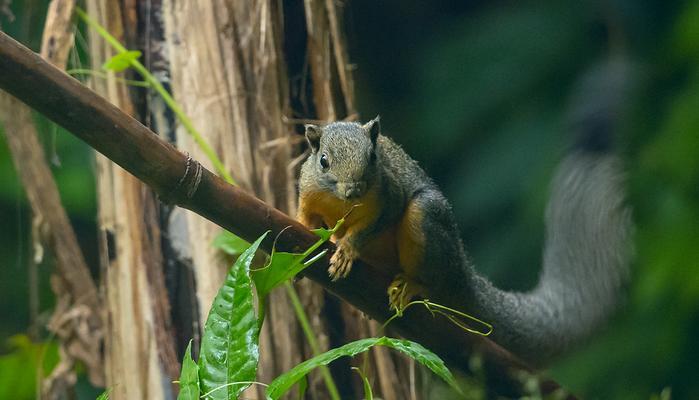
x=351, y=190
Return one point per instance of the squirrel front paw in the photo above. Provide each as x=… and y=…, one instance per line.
x=401, y=291
x=341, y=261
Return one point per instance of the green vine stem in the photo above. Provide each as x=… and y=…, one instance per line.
x=102, y=75
x=449, y=313
x=310, y=336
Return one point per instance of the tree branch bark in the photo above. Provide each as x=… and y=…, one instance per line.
x=182, y=181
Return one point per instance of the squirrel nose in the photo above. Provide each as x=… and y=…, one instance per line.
x=354, y=190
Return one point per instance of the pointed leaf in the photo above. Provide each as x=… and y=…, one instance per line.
x=303, y=386
x=284, y=266
x=281, y=266
x=230, y=243
x=229, y=348
x=323, y=233
x=282, y=383
x=189, y=377
x=121, y=61
x=424, y=356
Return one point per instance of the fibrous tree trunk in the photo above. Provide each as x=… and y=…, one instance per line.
x=141, y=362
x=228, y=75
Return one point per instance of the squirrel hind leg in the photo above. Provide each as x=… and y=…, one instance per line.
x=410, y=239
x=430, y=250
x=401, y=291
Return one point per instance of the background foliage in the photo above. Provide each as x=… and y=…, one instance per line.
x=478, y=92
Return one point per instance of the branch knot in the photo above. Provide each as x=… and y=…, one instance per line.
x=188, y=184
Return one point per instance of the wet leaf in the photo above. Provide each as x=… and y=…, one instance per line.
x=121, y=61
x=229, y=348
x=282, y=383
x=189, y=377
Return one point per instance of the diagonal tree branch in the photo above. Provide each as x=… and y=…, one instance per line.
x=182, y=181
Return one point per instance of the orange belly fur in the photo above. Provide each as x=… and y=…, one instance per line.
x=382, y=250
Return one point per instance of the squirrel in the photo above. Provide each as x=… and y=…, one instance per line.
x=399, y=218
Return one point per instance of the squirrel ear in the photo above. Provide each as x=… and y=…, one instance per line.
x=373, y=128
x=313, y=134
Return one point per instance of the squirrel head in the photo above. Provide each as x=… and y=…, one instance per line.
x=343, y=157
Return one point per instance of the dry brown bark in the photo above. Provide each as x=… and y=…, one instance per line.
x=57, y=39
x=141, y=360
x=229, y=64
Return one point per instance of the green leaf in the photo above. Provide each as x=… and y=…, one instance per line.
x=105, y=395
x=230, y=243
x=229, y=347
x=424, y=356
x=283, y=382
x=303, y=386
x=121, y=61
x=189, y=377
x=325, y=234
x=18, y=367
x=283, y=266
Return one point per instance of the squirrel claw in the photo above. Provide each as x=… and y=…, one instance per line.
x=340, y=263
x=401, y=291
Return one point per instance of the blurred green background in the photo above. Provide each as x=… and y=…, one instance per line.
x=478, y=92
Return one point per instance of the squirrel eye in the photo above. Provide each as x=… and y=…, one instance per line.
x=324, y=161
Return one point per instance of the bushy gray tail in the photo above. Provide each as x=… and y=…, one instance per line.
x=588, y=244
